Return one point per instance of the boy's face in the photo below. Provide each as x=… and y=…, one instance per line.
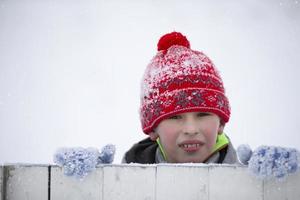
x=188, y=137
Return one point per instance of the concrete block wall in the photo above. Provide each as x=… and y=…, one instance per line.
x=148, y=182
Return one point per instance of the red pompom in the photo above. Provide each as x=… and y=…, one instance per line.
x=170, y=39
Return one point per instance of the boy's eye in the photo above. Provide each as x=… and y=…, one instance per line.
x=175, y=117
x=202, y=114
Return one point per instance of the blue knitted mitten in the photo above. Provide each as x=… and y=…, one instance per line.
x=79, y=162
x=267, y=162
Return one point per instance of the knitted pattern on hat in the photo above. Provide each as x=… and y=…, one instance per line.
x=179, y=79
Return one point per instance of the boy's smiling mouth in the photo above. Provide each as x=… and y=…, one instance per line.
x=191, y=146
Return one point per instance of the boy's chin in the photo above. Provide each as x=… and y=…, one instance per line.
x=191, y=160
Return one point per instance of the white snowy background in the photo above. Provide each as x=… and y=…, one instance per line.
x=70, y=70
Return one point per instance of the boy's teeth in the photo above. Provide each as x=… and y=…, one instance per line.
x=191, y=145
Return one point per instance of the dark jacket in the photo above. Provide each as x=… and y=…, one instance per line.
x=147, y=152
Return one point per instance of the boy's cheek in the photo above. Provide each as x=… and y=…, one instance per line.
x=169, y=136
x=166, y=129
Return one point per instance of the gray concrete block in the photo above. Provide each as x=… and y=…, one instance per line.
x=287, y=188
x=129, y=182
x=65, y=187
x=149, y=182
x=26, y=182
x=178, y=182
x=1, y=182
x=230, y=182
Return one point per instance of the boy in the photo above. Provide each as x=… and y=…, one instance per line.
x=183, y=111
x=183, y=108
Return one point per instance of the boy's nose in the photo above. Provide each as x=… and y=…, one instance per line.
x=190, y=127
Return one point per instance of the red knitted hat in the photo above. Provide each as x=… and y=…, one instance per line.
x=179, y=79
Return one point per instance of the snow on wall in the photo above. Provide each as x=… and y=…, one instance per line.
x=136, y=182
